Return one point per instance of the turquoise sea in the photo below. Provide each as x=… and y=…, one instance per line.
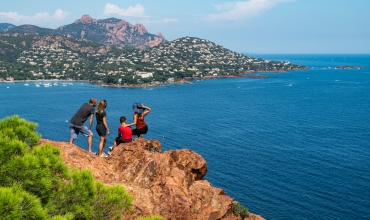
x=293, y=146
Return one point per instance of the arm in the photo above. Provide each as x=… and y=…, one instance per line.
x=147, y=110
x=106, y=125
x=133, y=123
x=91, y=120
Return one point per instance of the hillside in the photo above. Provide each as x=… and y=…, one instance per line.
x=25, y=56
x=31, y=29
x=6, y=26
x=111, y=31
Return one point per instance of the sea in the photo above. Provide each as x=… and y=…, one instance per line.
x=295, y=145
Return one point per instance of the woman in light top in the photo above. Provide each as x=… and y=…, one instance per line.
x=140, y=111
x=102, y=126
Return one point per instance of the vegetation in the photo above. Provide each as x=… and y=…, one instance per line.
x=239, y=209
x=36, y=184
x=68, y=58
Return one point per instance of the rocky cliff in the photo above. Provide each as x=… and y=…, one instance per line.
x=169, y=184
x=111, y=31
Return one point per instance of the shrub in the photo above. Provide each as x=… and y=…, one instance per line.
x=36, y=184
x=17, y=128
x=110, y=202
x=239, y=209
x=16, y=203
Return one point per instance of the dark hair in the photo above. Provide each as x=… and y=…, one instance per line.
x=122, y=119
x=93, y=100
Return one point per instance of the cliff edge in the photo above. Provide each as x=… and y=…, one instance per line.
x=169, y=184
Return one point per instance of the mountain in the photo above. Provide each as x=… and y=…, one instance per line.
x=111, y=31
x=31, y=29
x=13, y=44
x=6, y=26
x=179, y=60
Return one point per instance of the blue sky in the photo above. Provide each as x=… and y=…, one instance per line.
x=252, y=26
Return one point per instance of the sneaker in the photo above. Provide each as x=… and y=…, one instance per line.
x=110, y=148
x=109, y=153
x=96, y=153
x=104, y=155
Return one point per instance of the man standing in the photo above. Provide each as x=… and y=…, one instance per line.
x=78, y=120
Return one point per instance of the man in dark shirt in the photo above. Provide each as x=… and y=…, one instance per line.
x=77, y=122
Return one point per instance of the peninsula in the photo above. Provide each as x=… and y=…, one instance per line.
x=114, y=52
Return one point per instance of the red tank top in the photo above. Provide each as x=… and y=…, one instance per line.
x=140, y=123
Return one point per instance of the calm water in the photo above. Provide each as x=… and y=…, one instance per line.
x=293, y=146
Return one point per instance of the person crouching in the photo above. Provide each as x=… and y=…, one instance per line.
x=124, y=133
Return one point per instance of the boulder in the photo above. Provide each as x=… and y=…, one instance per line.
x=169, y=184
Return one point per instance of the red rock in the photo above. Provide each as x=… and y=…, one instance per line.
x=169, y=184
x=86, y=19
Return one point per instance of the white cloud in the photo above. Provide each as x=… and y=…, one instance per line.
x=39, y=19
x=241, y=10
x=60, y=15
x=137, y=11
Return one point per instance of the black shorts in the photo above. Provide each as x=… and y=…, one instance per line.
x=140, y=131
x=119, y=141
x=100, y=128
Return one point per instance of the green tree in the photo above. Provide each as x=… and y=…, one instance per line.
x=36, y=183
x=16, y=203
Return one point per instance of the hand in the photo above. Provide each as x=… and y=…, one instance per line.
x=108, y=132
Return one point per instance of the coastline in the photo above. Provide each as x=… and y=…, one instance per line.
x=44, y=80
x=185, y=80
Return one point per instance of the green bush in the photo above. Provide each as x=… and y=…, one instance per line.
x=239, y=209
x=36, y=184
x=109, y=202
x=17, y=128
x=16, y=203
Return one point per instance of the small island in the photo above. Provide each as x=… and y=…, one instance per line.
x=350, y=67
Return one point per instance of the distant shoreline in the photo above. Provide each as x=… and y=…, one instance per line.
x=43, y=80
x=186, y=80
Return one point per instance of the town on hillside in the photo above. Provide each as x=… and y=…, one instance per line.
x=33, y=53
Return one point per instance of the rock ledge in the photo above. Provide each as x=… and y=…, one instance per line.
x=169, y=184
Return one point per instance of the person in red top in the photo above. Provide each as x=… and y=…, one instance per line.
x=140, y=111
x=124, y=133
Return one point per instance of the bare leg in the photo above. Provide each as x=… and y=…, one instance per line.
x=105, y=140
x=71, y=140
x=89, y=141
x=114, y=145
x=101, y=145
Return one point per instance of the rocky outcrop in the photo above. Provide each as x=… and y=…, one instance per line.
x=111, y=31
x=73, y=44
x=86, y=19
x=170, y=184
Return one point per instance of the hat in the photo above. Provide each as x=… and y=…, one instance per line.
x=137, y=107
